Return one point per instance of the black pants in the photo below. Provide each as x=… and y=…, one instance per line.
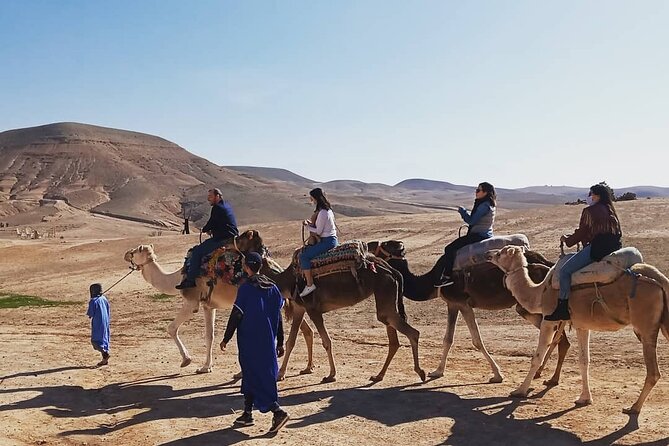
x=248, y=404
x=105, y=354
x=448, y=259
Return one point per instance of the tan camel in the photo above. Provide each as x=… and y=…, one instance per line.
x=640, y=301
x=223, y=296
x=482, y=287
x=342, y=290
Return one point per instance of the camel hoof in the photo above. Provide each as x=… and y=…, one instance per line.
x=583, y=402
x=328, y=379
x=237, y=375
x=631, y=411
x=307, y=371
x=496, y=379
x=421, y=373
x=519, y=394
x=376, y=378
x=203, y=370
x=435, y=374
x=551, y=382
x=186, y=362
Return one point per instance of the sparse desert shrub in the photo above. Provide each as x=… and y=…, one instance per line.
x=627, y=196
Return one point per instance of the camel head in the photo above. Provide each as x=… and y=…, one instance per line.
x=508, y=258
x=250, y=240
x=387, y=249
x=141, y=255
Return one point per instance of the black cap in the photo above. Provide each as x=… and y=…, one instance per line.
x=95, y=290
x=253, y=259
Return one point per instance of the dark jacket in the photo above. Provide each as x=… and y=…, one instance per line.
x=222, y=222
x=595, y=219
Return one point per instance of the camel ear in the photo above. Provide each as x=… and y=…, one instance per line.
x=249, y=235
x=151, y=246
x=141, y=247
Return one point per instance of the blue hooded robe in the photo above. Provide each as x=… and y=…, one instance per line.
x=260, y=305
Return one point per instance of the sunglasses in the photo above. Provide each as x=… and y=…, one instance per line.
x=478, y=189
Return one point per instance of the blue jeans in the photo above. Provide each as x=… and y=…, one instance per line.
x=326, y=244
x=198, y=253
x=579, y=260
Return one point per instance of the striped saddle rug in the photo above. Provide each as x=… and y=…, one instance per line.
x=342, y=258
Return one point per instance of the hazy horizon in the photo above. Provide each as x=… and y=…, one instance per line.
x=520, y=94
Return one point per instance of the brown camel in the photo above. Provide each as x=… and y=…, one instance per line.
x=481, y=286
x=342, y=290
x=640, y=299
x=223, y=296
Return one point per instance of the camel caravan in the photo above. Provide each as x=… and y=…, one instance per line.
x=602, y=287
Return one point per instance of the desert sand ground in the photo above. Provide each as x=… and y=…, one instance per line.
x=50, y=393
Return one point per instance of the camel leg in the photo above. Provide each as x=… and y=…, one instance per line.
x=184, y=314
x=470, y=320
x=209, y=320
x=399, y=324
x=393, y=346
x=649, y=344
x=308, y=334
x=298, y=318
x=545, y=336
x=583, y=336
x=317, y=318
x=563, y=347
x=448, y=341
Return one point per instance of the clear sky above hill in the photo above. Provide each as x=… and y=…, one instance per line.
x=516, y=93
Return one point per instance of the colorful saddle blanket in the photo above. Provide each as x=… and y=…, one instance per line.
x=474, y=254
x=222, y=264
x=605, y=271
x=341, y=258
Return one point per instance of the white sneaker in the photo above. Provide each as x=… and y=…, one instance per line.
x=307, y=290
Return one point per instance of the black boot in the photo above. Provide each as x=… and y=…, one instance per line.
x=186, y=283
x=561, y=313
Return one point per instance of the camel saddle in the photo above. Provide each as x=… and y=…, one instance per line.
x=605, y=271
x=474, y=254
x=346, y=257
x=222, y=264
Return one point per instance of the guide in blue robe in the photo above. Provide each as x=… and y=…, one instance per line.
x=256, y=314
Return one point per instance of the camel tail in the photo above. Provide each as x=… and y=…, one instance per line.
x=655, y=274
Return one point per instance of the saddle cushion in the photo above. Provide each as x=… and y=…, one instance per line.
x=605, y=271
x=223, y=264
x=474, y=254
x=338, y=259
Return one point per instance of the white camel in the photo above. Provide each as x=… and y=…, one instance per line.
x=641, y=300
x=223, y=296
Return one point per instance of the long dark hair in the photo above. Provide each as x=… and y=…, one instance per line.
x=606, y=198
x=321, y=201
x=491, y=196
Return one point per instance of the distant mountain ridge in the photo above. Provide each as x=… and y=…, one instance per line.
x=133, y=175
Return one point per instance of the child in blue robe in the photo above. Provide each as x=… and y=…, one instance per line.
x=255, y=315
x=98, y=312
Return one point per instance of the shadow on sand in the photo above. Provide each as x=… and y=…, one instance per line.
x=488, y=421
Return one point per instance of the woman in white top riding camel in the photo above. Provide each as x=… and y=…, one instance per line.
x=322, y=224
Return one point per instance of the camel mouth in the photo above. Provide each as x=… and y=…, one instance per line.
x=489, y=255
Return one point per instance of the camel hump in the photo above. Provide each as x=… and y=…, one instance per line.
x=605, y=271
x=474, y=254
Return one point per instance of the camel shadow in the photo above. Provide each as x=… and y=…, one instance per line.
x=487, y=420
x=407, y=404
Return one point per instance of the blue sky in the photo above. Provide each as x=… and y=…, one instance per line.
x=516, y=93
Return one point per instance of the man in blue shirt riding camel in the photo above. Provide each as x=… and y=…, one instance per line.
x=222, y=226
